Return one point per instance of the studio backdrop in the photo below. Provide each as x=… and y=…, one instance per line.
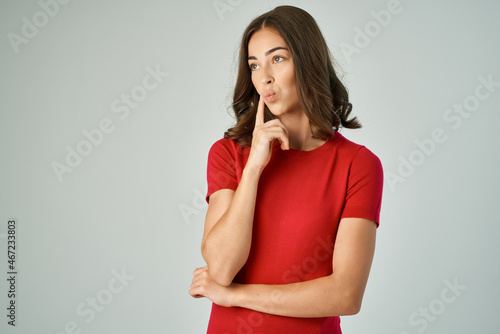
x=109, y=109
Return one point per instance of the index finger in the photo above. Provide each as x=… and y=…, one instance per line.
x=259, y=117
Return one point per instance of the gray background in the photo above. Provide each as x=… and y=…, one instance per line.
x=135, y=203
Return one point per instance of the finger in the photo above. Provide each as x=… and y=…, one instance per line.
x=281, y=136
x=259, y=117
x=276, y=131
x=285, y=143
x=197, y=282
x=195, y=293
x=200, y=276
x=199, y=269
x=274, y=123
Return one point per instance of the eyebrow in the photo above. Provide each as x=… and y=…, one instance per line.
x=270, y=51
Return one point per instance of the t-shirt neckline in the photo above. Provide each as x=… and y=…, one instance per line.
x=298, y=153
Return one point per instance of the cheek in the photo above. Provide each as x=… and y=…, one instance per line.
x=254, y=79
x=292, y=79
x=289, y=78
x=290, y=82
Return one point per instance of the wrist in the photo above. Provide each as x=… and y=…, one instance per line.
x=252, y=171
x=235, y=294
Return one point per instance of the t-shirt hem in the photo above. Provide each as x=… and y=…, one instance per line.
x=366, y=213
x=211, y=192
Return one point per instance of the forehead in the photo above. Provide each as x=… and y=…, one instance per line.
x=263, y=40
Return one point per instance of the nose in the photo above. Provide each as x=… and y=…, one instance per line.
x=267, y=76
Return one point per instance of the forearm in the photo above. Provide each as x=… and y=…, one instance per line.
x=320, y=297
x=227, y=245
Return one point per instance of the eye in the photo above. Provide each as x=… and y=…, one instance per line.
x=277, y=59
x=253, y=67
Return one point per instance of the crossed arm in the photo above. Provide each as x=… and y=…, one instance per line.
x=340, y=293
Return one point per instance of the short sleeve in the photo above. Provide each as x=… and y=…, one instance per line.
x=221, y=168
x=364, y=187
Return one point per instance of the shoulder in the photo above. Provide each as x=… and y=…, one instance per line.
x=222, y=144
x=226, y=147
x=358, y=154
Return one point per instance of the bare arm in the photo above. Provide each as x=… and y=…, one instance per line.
x=226, y=242
x=229, y=222
x=340, y=293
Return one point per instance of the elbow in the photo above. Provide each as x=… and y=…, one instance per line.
x=219, y=276
x=352, y=308
x=352, y=304
x=217, y=272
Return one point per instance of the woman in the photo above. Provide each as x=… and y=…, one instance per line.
x=293, y=205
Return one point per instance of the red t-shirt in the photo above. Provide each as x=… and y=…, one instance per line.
x=301, y=197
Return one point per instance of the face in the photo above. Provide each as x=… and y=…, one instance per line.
x=273, y=73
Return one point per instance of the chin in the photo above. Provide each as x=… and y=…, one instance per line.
x=275, y=111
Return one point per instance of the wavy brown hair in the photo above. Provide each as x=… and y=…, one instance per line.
x=321, y=94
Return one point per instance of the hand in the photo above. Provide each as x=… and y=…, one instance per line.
x=204, y=286
x=264, y=135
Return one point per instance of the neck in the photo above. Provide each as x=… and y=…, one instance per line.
x=299, y=131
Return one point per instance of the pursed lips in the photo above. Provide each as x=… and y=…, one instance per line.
x=269, y=95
